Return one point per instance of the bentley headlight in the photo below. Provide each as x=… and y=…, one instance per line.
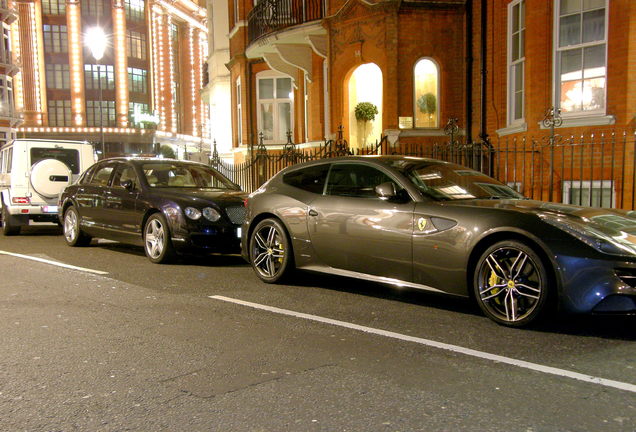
x=602, y=242
x=192, y=213
x=211, y=214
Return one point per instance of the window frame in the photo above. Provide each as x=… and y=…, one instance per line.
x=589, y=185
x=512, y=64
x=239, y=112
x=277, y=137
x=437, y=96
x=55, y=37
x=556, y=90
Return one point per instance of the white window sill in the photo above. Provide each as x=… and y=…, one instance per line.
x=513, y=129
x=597, y=120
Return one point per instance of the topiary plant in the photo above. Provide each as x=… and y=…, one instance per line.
x=365, y=111
x=167, y=152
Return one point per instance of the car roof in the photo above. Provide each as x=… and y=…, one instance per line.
x=146, y=159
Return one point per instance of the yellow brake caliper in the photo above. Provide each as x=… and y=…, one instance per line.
x=494, y=280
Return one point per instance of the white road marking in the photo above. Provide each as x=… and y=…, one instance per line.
x=440, y=345
x=55, y=263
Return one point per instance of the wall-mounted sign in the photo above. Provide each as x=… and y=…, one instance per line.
x=406, y=122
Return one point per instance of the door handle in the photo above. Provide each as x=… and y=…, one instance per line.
x=313, y=212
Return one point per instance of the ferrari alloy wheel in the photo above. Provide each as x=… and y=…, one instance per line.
x=157, y=243
x=270, y=251
x=72, y=232
x=511, y=284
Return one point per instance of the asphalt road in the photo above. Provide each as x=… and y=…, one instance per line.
x=148, y=347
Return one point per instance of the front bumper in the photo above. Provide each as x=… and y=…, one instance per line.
x=598, y=285
x=212, y=239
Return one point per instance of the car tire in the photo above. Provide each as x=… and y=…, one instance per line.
x=511, y=284
x=73, y=234
x=157, y=243
x=270, y=251
x=8, y=229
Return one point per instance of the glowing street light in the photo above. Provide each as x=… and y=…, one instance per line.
x=96, y=41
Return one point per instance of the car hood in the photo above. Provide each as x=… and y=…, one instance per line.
x=611, y=222
x=192, y=196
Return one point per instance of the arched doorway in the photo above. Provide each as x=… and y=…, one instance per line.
x=365, y=85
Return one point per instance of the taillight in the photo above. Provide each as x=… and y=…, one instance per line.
x=245, y=202
x=21, y=200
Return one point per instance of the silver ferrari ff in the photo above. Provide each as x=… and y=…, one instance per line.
x=441, y=227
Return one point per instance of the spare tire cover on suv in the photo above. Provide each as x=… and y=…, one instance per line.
x=49, y=177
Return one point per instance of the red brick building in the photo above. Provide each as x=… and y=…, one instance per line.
x=496, y=66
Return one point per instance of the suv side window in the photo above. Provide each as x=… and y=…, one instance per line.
x=355, y=180
x=311, y=179
x=101, y=175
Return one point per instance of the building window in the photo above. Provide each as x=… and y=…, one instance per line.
x=92, y=8
x=107, y=112
x=55, y=38
x=426, y=87
x=175, y=33
x=136, y=44
x=581, y=61
x=516, y=60
x=239, y=113
x=135, y=10
x=92, y=75
x=60, y=113
x=139, y=115
x=594, y=193
x=137, y=80
x=54, y=7
x=275, y=107
x=6, y=45
x=6, y=97
x=58, y=76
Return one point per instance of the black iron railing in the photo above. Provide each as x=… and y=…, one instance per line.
x=269, y=16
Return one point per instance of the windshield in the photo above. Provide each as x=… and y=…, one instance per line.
x=443, y=181
x=183, y=175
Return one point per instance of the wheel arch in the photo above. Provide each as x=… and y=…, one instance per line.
x=502, y=235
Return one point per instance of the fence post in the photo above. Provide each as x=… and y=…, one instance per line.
x=552, y=119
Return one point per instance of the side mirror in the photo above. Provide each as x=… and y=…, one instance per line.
x=386, y=191
x=127, y=184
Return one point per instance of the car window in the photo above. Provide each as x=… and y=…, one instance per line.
x=312, y=179
x=123, y=173
x=355, y=180
x=185, y=175
x=101, y=175
x=69, y=156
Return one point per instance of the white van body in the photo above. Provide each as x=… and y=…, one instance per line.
x=32, y=175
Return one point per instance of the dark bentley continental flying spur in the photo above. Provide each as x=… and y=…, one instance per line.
x=168, y=206
x=440, y=227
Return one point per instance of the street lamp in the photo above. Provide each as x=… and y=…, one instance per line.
x=96, y=41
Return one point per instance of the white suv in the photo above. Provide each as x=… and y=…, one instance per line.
x=32, y=175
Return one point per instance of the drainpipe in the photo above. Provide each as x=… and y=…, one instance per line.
x=483, y=135
x=484, y=72
x=469, y=71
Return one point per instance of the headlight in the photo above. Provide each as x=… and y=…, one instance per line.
x=192, y=213
x=210, y=214
x=598, y=240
